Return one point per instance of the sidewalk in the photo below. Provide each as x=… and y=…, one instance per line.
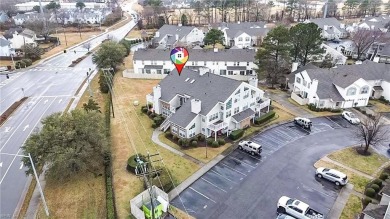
x=341, y=201
x=155, y=139
x=282, y=99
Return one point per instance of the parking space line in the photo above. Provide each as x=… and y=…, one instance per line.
x=223, y=176
x=213, y=184
x=233, y=169
x=249, y=155
x=333, y=122
x=288, y=137
x=202, y=194
x=272, y=138
x=312, y=189
x=241, y=161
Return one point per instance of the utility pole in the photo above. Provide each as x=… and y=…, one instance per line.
x=88, y=81
x=43, y=16
x=326, y=9
x=108, y=76
x=147, y=174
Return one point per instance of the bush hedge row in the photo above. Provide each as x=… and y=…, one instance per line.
x=313, y=107
x=236, y=134
x=264, y=118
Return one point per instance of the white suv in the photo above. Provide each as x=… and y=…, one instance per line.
x=332, y=175
x=250, y=147
x=303, y=122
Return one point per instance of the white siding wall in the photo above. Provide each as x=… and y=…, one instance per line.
x=360, y=99
x=386, y=89
x=244, y=42
x=195, y=35
x=18, y=41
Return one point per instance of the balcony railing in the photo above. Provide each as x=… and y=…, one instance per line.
x=263, y=103
x=217, y=126
x=297, y=98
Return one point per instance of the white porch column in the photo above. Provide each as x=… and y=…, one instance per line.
x=215, y=135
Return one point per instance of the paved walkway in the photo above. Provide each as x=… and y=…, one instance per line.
x=155, y=139
x=341, y=201
x=282, y=99
x=327, y=159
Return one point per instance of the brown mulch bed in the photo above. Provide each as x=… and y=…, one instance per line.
x=10, y=110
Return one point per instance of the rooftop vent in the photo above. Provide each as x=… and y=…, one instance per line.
x=187, y=79
x=192, y=81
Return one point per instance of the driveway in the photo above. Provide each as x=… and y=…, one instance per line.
x=245, y=186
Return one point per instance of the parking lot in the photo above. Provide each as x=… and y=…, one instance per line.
x=212, y=192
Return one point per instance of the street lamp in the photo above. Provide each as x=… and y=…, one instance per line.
x=36, y=178
x=89, y=87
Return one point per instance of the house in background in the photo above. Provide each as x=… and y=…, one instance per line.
x=200, y=103
x=344, y=86
x=332, y=29
x=242, y=34
x=168, y=36
x=374, y=23
x=233, y=63
x=6, y=49
x=19, y=38
x=3, y=17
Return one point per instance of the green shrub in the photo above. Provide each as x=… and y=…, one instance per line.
x=370, y=192
x=221, y=141
x=168, y=135
x=194, y=143
x=144, y=109
x=201, y=138
x=28, y=62
x=378, y=182
x=375, y=187
x=161, y=180
x=265, y=117
x=215, y=144
x=154, y=125
x=209, y=141
x=149, y=112
x=180, y=142
x=152, y=115
x=236, y=134
x=384, y=176
x=366, y=201
x=174, y=137
x=132, y=163
x=150, y=105
x=158, y=120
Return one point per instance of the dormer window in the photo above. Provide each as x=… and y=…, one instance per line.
x=364, y=90
x=351, y=91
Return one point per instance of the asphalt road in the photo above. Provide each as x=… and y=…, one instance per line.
x=245, y=186
x=50, y=86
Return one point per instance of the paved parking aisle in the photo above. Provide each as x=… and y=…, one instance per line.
x=212, y=189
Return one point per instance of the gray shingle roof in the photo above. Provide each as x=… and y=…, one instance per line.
x=291, y=76
x=243, y=115
x=375, y=211
x=345, y=75
x=377, y=22
x=183, y=116
x=4, y=42
x=172, y=30
x=9, y=34
x=208, y=88
x=250, y=28
x=228, y=55
x=330, y=21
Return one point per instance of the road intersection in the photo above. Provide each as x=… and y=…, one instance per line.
x=49, y=87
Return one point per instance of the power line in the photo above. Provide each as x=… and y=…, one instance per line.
x=162, y=160
x=144, y=172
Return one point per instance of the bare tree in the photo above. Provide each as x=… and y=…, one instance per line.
x=87, y=45
x=363, y=39
x=371, y=131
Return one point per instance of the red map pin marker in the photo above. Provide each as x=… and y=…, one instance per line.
x=179, y=57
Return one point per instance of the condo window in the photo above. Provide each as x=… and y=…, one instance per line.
x=351, y=91
x=298, y=80
x=364, y=90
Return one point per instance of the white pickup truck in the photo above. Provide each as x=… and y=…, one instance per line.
x=297, y=209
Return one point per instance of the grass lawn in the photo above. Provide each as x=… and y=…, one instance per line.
x=6, y=63
x=178, y=213
x=198, y=152
x=380, y=107
x=97, y=95
x=127, y=132
x=359, y=182
x=128, y=62
x=365, y=164
x=82, y=196
x=72, y=39
x=352, y=208
x=218, y=45
x=317, y=114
